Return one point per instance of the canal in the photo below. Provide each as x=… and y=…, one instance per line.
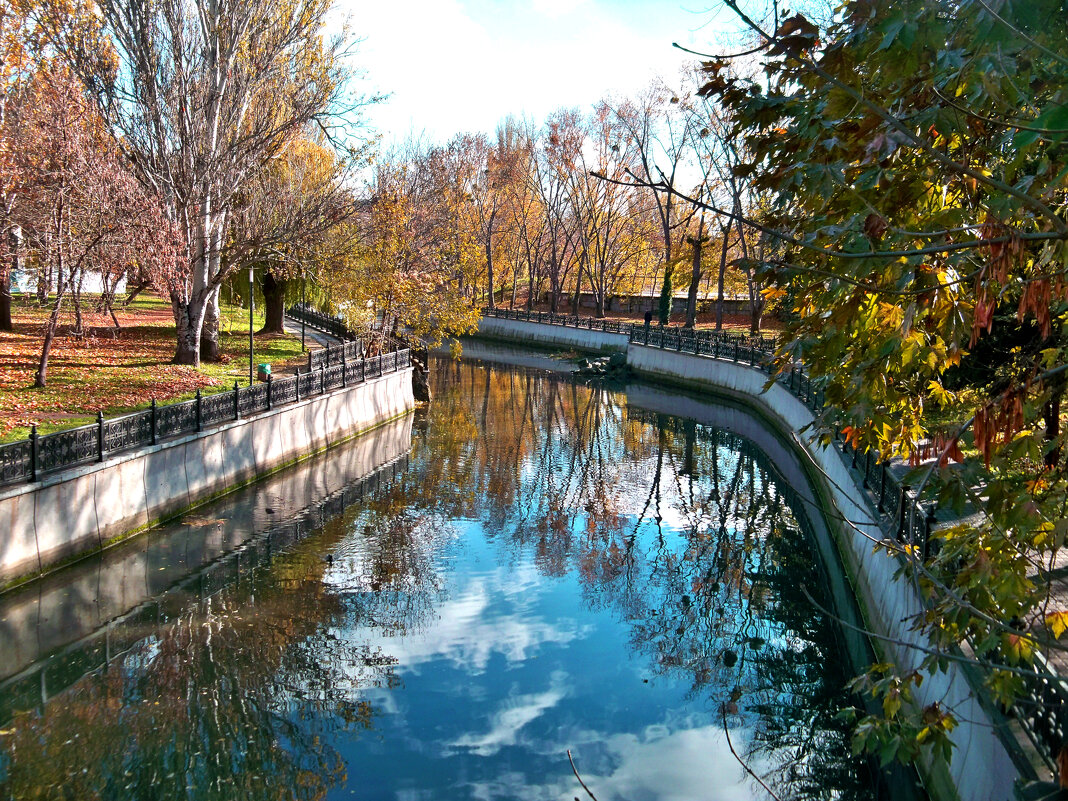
x=554, y=565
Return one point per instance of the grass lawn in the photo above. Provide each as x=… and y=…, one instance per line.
x=98, y=372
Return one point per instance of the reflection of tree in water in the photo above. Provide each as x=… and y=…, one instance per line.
x=235, y=696
x=714, y=593
x=682, y=530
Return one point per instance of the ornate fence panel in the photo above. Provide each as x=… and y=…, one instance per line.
x=217, y=408
x=283, y=390
x=15, y=464
x=67, y=448
x=332, y=378
x=129, y=431
x=175, y=419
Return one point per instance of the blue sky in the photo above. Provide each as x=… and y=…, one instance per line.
x=463, y=65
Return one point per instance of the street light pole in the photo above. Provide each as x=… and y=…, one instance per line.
x=250, y=304
x=303, y=309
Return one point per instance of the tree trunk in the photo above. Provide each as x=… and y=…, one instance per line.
x=5, y=301
x=210, y=349
x=725, y=230
x=695, y=279
x=274, y=304
x=756, y=300
x=41, y=379
x=667, y=296
x=489, y=269
x=44, y=279
x=76, y=298
x=188, y=320
x=15, y=243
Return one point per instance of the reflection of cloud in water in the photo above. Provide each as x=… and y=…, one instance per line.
x=514, y=713
x=467, y=631
x=658, y=765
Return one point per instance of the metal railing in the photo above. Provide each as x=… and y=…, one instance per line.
x=334, y=326
x=901, y=512
x=29, y=459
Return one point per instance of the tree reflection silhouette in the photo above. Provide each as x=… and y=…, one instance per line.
x=567, y=470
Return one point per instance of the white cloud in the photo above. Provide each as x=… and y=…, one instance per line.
x=466, y=634
x=661, y=764
x=515, y=713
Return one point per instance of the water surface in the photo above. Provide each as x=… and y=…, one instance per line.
x=557, y=568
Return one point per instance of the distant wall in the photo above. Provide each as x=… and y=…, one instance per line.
x=544, y=335
x=82, y=510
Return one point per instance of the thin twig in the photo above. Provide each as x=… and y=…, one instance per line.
x=575, y=771
x=741, y=761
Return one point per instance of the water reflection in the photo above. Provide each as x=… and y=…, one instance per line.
x=556, y=569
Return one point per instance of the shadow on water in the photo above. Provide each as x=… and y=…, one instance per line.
x=557, y=565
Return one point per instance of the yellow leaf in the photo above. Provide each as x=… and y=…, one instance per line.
x=1057, y=622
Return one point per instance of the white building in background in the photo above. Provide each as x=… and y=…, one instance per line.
x=25, y=282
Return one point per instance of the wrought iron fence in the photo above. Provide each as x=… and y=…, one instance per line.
x=329, y=324
x=27, y=460
x=903, y=514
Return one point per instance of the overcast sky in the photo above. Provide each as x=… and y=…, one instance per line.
x=463, y=65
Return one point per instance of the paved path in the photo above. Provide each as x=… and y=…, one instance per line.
x=313, y=337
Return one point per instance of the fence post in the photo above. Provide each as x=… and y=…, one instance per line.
x=344, y=369
x=198, y=409
x=270, y=400
x=363, y=369
x=322, y=378
x=901, y=511
x=33, y=452
x=928, y=524
x=296, y=385
x=237, y=407
x=154, y=427
x=99, y=435
x=882, y=488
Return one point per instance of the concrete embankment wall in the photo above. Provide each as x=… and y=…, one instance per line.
x=985, y=762
x=75, y=512
x=65, y=608
x=555, y=336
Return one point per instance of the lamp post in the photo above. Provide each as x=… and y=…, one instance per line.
x=303, y=308
x=250, y=304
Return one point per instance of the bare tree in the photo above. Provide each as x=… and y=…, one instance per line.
x=207, y=93
x=662, y=132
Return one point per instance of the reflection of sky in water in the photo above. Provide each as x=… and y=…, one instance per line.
x=513, y=670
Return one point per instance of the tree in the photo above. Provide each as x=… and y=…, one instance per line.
x=417, y=251
x=290, y=220
x=912, y=155
x=663, y=138
x=80, y=209
x=208, y=93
